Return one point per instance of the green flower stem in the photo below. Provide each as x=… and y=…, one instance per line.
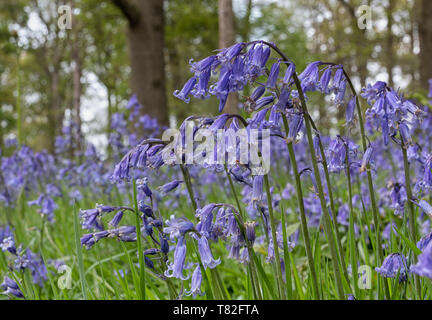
x=379, y=255
x=303, y=220
x=142, y=282
x=188, y=183
x=18, y=100
x=412, y=217
x=254, y=276
x=274, y=238
x=326, y=216
x=333, y=209
x=234, y=193
x=353, y=249
x=286, y=257
x=79, y=254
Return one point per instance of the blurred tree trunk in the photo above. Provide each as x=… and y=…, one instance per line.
x=360, y=34
x=425, y=35
x=146, y=43
x=246, y=22
x=413, y=19
x=77, y=86
x=389, y=61
x=176, y=77
x=226, y=39
x=53, y=124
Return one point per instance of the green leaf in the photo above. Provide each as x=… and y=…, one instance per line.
x=409, y=243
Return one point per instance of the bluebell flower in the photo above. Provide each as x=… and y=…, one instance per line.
x=8, y=244
x=257, y=188
x=350, y=110
x=87, y=240
x=256, y=94
x=146, y=209
x=250, y=231
x=205, y=253
x=151, y=251
x=201, y=89
x=284, y=102
x=9, y=286
x=424, y=242
x=143, y=186
x=195, y=283
x=29, y=260
x=206, y=220
x=427, y=174
x=75, y=195
x=7, y=240
x=175, y=269
x=366, y=158
x=289, y=74
x=425, y=206
x=89, y=219
x=398, y=198
x=116, y=219
x=219, y=122
x=183, y=94
x=336, y=155
x=163, y=244
x=148, y=262
x=133, y=102
x=177, y=227
x=124, y=233
x=238, y=78
x=273, y=76
x=372, y=92
x=394, y=264
x=340, y=94
x=47, y=206
x=423, y=267
x=338, y=78
x=295, y=126
x=227, y=54
x=258, y=59
x=202, y=65
x=53, y=190
x=309, y=78
x=405, y=134
x=325, y=80
x=170, y=186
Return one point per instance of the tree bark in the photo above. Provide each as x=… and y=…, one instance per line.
x=247, y=22
x=425, y=35
x=362, y=57
x=389, y=61
x=226, y=39
x=53, y=114
x=77, y=87
x=146, y=43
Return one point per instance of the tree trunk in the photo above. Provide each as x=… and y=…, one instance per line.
x=389, y=61
x=53, y=114
x=425, y=35
x=246, y=22
x=110, y=113
x=226, y=39
x=146, y=43
x=77, y=90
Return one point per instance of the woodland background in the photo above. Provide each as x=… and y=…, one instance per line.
x=120, y=47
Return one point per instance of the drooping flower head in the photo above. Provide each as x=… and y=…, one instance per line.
x=393, y=265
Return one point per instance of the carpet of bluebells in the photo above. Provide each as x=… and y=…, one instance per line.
x=336, y=217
